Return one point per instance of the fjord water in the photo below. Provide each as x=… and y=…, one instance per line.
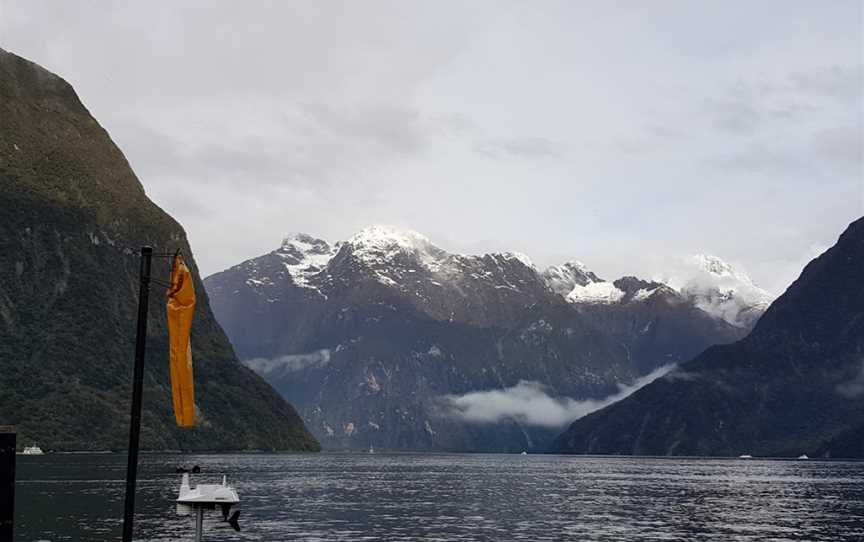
x=333, y=496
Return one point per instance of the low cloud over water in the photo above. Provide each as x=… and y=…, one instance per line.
x=529, y=403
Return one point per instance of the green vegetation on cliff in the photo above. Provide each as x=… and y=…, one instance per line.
x=72, y=219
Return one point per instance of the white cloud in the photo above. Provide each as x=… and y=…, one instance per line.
x=524, y=147
x=717, y=288
x=529, y=403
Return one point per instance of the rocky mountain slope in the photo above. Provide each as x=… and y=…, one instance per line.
x=794, y=385
x=72, y=218
x=374, y=337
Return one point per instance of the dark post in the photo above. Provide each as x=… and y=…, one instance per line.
x=7, y=483
x=137, y=385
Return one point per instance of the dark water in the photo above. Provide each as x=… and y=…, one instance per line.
x=452, y=497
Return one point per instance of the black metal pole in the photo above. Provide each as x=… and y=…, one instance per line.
x=137, y=387
x=7, y=483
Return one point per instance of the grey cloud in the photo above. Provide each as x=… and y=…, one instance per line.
x=249, y=119
x=854, y=387
x=757, y=158
x=526, y=147
x=754, y=108
x=288, y=363
x=378, y=126
x=748, y=106
x=734, y=115
x=315, y=144
x=838, y=82
x=844, y=145
x=637, y=145
x=667, y=131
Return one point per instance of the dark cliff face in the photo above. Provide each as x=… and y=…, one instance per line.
x=72, y=219
x=368, y=337
x=662, y=329
x=794, y=385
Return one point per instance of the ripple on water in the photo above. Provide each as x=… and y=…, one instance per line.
x=409, y=497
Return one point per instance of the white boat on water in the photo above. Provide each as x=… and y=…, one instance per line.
x=745, y=456
x=371, y=449
x=803, y=456
x=32, y=450
x=195, y=500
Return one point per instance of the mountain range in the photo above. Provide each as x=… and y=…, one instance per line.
x=74, y=217
x=385, y=338
x=794, y=385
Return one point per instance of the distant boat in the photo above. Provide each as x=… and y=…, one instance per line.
x=524, y=453
x=803, y=456
x=745, y=456
x=371, y=449
x=32, y=450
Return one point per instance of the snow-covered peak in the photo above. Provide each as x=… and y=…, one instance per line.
x=563, y=278
x=718, y=288
x=303, y=244
x=400, y=258
x=386, y=238
x=716, y=266
x=299, y=237
x=304, y=256
x=384, y=249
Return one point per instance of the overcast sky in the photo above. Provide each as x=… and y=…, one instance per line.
x=622, y=134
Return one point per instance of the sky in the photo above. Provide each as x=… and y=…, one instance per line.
x=621, y=134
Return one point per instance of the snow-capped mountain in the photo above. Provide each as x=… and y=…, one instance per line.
x=793, y=386
x=719, y=289
x=577, y=284
x=382, y=262
x=367, y=335
x=706, y=282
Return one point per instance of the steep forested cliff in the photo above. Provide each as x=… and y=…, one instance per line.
x=73, y=217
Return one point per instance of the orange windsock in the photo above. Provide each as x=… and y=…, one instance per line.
x=181, y=310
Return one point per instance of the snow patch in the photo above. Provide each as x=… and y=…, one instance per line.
x=644, y=293
x=304, y=256
x=595, y=293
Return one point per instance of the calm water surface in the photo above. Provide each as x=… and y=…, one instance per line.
x=451, y=497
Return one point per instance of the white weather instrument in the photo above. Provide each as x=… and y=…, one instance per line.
x=208, y=497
